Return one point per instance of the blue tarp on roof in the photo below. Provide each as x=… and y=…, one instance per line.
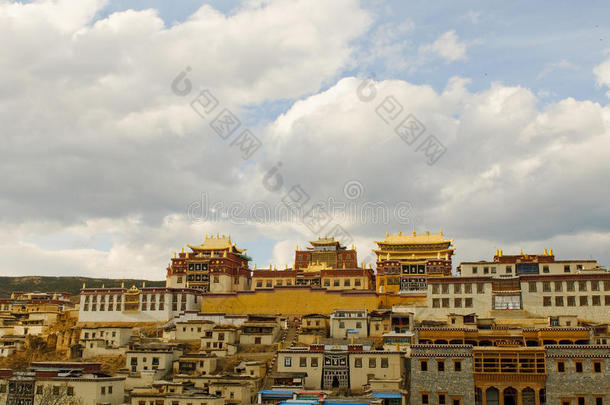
x=387, y=395
x=279, y=393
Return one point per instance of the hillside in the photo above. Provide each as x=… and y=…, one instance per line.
x=70, y=285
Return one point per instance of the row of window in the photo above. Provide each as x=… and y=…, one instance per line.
x=336, y=283
x=442, y=399
x=384, y=362
x=570, y=285
x=579, y=366
x=457, y=288
x=440, y=365
x=457, y=303
x=571, y=301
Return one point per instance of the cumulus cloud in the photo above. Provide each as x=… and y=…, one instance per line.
x=102, y=163
x=602, y=73
x=448, y=47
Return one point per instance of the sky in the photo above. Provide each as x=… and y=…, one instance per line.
x=132, y=128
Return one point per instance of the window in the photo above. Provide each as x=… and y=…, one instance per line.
x=445, y=288
x=475, y=270
x=546, y=286
x=571, y=301
x=607, y=300
x=582, y=286
x=584, y=301
x=570, y=285
x=545, y=269
x=558, y=285
x=578, y=366
x=346, y=282
x=597, y=366
x=357, y=282
x=441, y=399
x=457, y=366
x=372, y=363
x=468, y=302
x=384, y=362
x=581, y=400
x=39, y=389
x=303, y=362
x=287, y=361
x=566, y=268
x=435, y=289
x=546, y=301
x=358, y=325
x=314, y=362
x=336, y=283
x=485, y=270
x=480, y=288
x=468, y=288
x=424, y=399
x=532, y=286
x=110, y=389
x=509, y=269
x=596, y=300
x=440, y=365
x=436, y=302
x=559, y=301
x=423, y=365
x=457, y=288
x=358, y=362
x=259, y=283
x=55, y=390
x=103, y=390
x=594, y=285
x=445, y=302
x=599, y=401
x=457, y=302
x=341, y=325
x=561, y=367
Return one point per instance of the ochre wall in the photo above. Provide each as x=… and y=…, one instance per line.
x=298, y=301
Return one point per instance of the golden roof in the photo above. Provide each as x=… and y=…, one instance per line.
x=216, y=243
x=324, y=241
x=414, y=238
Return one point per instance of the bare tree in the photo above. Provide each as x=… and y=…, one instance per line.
x=57, y=395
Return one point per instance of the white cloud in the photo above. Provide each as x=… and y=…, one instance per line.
x=448, y=46
x=602, y=73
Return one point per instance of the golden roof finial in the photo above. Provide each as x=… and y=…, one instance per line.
x=387, y=234
x=122, y=284
x=217, y=235
x=286, y=268
x=500, y=252
x=174, y=255
x=546, y=252
x=387, y=256
x=182, y=250
x=399, y=233
x=441, y=232
x=427, y=233
x=497, y=252
x=254, y=266
x=229, y=239
x=551, y=252
x=297, y=246
x=274, y=267
x=343, y=265
x=521, y=252
x=224, y=253
x=143, y=284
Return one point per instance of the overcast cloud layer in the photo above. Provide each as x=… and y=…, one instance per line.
x=107, y=169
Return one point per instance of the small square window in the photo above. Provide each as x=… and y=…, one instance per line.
x=597, y=366
x=425, y=400
x=561, y=367
x=440, y=364
x=423, y=365
x=457, y=365
x=579, y=367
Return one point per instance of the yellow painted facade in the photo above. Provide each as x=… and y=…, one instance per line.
x=300, y=301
